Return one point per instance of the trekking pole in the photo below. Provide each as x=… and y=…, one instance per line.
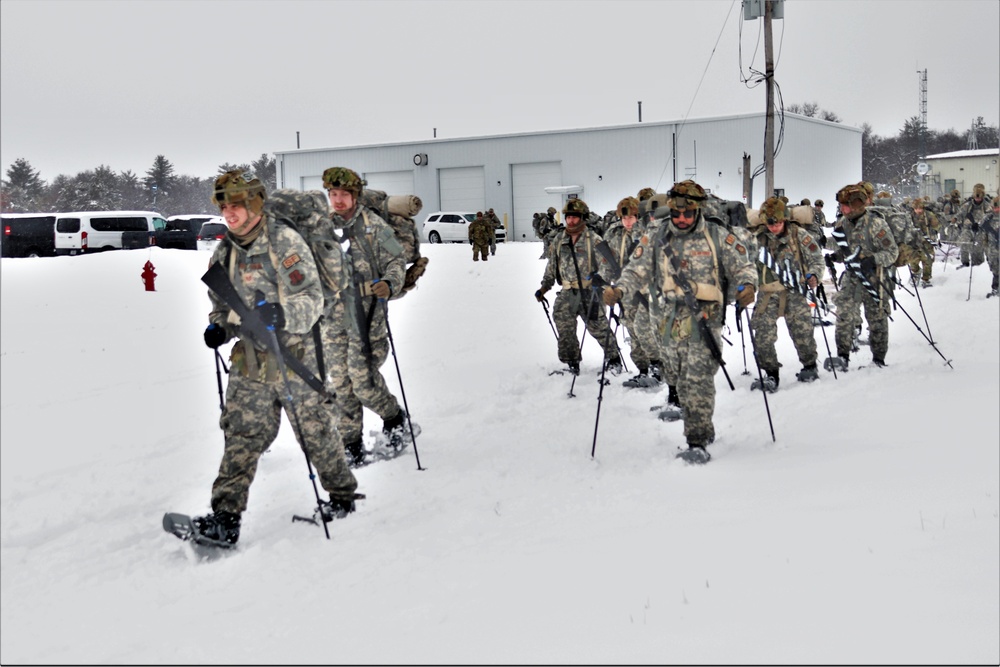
x=218, y=378
x=971, y=266
x=545, y=305
x=743, y=342
x=812, y=295
x=395, y=359
x=296, y=425
x=600, y=392
x=920, y=302
x=926, y=337
x=760, y=374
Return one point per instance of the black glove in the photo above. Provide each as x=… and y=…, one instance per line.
x=868, y=266
x=829, y=261
x=822, y=241
x=975, y=227
x=215, y=336
x=540, y=294
x=271, y=314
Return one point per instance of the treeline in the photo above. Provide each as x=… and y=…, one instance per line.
x=886, y=161
x=102, y=189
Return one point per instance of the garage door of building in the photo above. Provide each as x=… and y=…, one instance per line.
x=529, y=182
x=462, y=188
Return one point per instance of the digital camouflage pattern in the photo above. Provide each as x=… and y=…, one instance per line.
x=480, y=233
x=871, y=234
x=232, y=187
x=644, y=346
x=990, y=238
x=922, y=253
x=971, y=213
x=715, y=263
x=256, y=393
x=374, y=254
x=800, y=250
x=577, y=298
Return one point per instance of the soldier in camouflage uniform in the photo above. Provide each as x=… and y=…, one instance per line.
x=479, y=237
x=989, y=231
x=949, y=217
x=794, y=252
x=264, y=257
x=547, y=227
x=714, y=266
x=495, y=224
x=377, y=265
x=866, y=245
x=622, y=237
x=572, y=262
x=926, y=224
x=969, y=217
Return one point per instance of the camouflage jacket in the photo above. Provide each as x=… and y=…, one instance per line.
x=973, y=212
x=870, y=234
x=561, y=267
x=621, y=240
x=280, y=265
x=949, y=210
x=711, y=258
x=797, y=246
x=926, y=224
x=480, y=231
x=375, y=253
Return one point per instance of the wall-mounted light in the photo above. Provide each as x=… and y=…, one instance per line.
x=600, y=178
x=420, y=159
x=498, y=184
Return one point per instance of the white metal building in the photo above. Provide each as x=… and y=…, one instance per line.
x=519, y=174
x=961, y=170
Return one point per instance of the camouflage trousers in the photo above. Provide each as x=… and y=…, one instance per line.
x=772, y=306
x=250, y=423
x=571, y=304
x=642, y=337
x=851, y=297
x=971, y=250
x=691, y=364
x=357, y=380
x=922, y=256
x=993, y=259
x=478, y=248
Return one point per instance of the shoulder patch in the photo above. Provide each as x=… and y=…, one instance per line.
x=730, y=239
x=886, y=243
x=291, y=261
x=296, y=277
x=881, y=234
x=807, y=239
x=638, y=252
x=813, y=247
x=740, y=249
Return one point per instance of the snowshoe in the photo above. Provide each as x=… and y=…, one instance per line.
x=807, y=374
x=694, y=455
x=880, y=363
x=836, y=363
x=769, y=382
x=613, y=366
x=335, y=508
x=669, y=413
x=641, y=381
x=925, y=284
x=355, y=453
x=992, y=293
x=219, y=529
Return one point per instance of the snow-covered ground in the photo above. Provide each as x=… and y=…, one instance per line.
x=867, y=533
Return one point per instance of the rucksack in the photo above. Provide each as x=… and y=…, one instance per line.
x=308, y=213
x=901, y=226
x=398, y=212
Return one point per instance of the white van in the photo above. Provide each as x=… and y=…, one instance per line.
x=93, y=231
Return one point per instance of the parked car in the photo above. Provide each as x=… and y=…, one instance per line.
x=448, y=226
x=181, y=231
x=28, y=235
x=211, y=233
x=93, y=231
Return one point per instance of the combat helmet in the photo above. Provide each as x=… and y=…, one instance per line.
x=233, y=188
x=686, y=195
x=576, y=207
x=628, y=206
x=342, y=178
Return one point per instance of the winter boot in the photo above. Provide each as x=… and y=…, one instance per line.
x=637, y=380
x=613, y=365
x=807, y=374
x=396, y=434
x=672, y=411
x=335, y=508
x=574, y=367
x=223, y=527
x=927, y=283
x=879, y=362
x=355, y=453
x=695, y=455
x=770, y=381
x=655, y=372
x=838, y=363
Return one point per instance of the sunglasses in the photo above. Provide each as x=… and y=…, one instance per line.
x=686, y=213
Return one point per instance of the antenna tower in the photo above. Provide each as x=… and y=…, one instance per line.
x=923, y=112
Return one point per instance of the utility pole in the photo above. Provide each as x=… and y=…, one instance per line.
x=769, y=117
x=640, y=111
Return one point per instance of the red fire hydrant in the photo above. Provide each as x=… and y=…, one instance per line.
x=149, y=276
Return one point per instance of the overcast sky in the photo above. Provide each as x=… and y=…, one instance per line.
x=116, y=83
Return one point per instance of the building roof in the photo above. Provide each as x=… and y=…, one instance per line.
x=979, y=152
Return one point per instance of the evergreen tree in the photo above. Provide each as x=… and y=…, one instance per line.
x=160, y=179
x=265, y=168
x=23, y=188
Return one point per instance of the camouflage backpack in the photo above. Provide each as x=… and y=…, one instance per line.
x=901, y=226
x=398, y=212
x=308, y=213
